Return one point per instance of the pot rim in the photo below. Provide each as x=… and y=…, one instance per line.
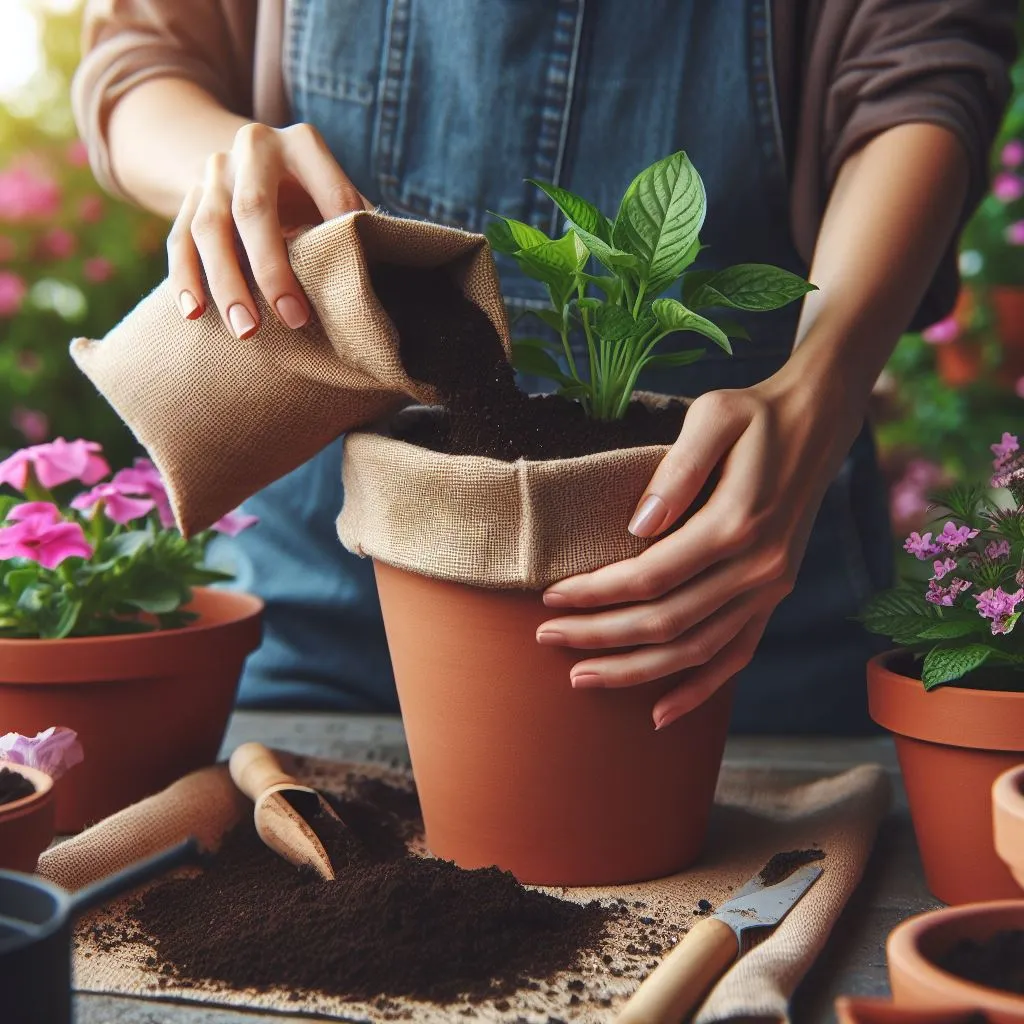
x=42, y=782
x=1008, y=793
x=904, y=944
x=952, y=716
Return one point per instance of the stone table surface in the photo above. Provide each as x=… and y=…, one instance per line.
x=853, y=962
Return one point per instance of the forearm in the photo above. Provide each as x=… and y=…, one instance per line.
x=160, y=135
x=892, y=213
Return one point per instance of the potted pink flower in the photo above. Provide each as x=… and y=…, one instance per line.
x=108, y=624
x=953, y=694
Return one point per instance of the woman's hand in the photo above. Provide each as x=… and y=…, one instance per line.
x=700, y=598
x=271, y=182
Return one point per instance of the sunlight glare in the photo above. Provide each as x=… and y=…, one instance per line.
x=20, y=52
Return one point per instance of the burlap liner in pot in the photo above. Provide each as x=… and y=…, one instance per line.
x=222, y=418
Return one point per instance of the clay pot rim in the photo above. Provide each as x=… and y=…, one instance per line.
x=904, y=944
x=1008, y=793
x=948, y=715
x=39, y=779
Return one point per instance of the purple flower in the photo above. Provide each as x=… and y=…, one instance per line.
x=1002, y=450
x=1007, y=188
x=1013, y=153
x=53, y=750
x=234, y=523
x=1000, y=607
x=996, y=550
x=118, y=506
x=943, y=567
x=921, y=546
x=943, y=332
x=144, y=478
x=954, y=538
x=946, y=596
x=40, y=541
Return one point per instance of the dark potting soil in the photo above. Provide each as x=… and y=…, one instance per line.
x=446, y=340
x=14, y=786
x=782, y=865
x=995, y=963
x=392, y=924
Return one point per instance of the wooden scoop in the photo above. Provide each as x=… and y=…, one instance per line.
x=283, y=808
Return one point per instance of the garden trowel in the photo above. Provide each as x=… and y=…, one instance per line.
x=703, y=955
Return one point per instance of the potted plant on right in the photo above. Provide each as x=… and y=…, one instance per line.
x=953, y=694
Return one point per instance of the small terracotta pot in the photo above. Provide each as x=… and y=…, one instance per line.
x=1008, y=819
x=516, y=768
x=26, y=825
x=147, y=707
x=1008, y=304
x=913, y=947
x=885, y=1011
x=952, y=743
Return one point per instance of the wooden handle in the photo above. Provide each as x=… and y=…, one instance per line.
x=679, y=982
x=255, y=769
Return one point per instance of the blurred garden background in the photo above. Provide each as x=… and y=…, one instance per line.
x=73, y=261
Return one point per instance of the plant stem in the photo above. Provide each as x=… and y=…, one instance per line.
x=639, y=299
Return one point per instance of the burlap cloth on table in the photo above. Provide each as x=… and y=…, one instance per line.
x=222, y=418
x=757, y=814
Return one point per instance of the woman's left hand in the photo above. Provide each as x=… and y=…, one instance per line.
x=699, y=599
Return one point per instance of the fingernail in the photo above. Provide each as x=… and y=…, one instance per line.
x=553, y=599
x=550, y=636
x=666, y=718
x=291, y=311
x=190, y=308
x=241, y=321
x=648, y=517
x=585, y=680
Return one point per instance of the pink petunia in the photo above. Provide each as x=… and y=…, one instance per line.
x=97, y=270
x=32, y=424
x=52, y=751
x=90, y=209
x=44, y=510
x=27, y=194
x=953, y=538
x=49, y=544
x=1013, y=153
x=58, y=243
x=943, y=332
x=921, y=546
x=1014, y=233
x=234, y=523
x=55, y=463
x=144, y=478
x=12, y=292
x=117, y=505
x=1000, y=607
x=78, y=154
x=1007, y=188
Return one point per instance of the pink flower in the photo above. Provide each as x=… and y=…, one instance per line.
x=921, y=546
x=53, y=750
x=1019, y=387
x=999, y=606
x=58, y=243
x=234, y=523
x=44, y=510
x=97, y=270
x=55, y=463
x=1014, y=233
x=943, y=567
x=49, y=544
x=1003, y=449
x=943, y=332
x=1013, y=153
x=78, y=154
x=8, y=248
x=90, y=209
x=946, y=596
x=32, y=424
x=118, y=506
x=953, y=538
x=26, y=195
x=144, y=478
x=1007, y=188
x=12, y=293
x=996, y=550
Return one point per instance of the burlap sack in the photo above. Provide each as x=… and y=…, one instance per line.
x=758, y=813
x=222, y=418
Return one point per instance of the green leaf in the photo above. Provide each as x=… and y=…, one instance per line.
x=17, y=580
x=900, y=615
x=155, y=592
x=549, y=317
x=952, y=629
x=537, y=362
x=65, y=622
x=574, y=389
x=733, y=329
x=33, y=598
x=499, y=235
x=555, y=263
x=655, y=286
x=660, y=218
x=608, y=255
x=693, y=281
x=581, y=213
x=753, y=286
x=683, y=358
x=672, y=315
x=513, y=235
x=946, y=664
x=124, y=545
x=614, y=324
x=611, y=286
x=7, y=502
x=547, y=344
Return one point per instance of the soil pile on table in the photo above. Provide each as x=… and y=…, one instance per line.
x=392, y=924
x=997, y=962
x=447, y=341
x=14, y=786
x=782, y=865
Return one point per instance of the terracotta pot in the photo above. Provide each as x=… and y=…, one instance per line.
x=1008, y=818
x=885, y=1011
x=148, y=708
x=26, y=825
x=952, y=743
x=913, y=947
x=1008, y=305
x=516, y=768
x=959, y=362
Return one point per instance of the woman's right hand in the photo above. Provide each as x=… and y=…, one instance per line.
x=273, y=181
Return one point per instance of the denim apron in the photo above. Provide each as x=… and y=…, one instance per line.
x=440, y=109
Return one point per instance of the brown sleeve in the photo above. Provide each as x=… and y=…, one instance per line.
x=127, y=42
x=874, y=64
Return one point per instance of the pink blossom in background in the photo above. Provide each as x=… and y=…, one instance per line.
x=908, y=496
x=1007, y=188
x=943, y=567
x=49, y=544
x=78, y=154
x=1000, y=607
x=1014, y=234
x=32, y=424
x=120, y=507
x=996, y=550
x=55, y=463
x=1013, y=153
x=943, y=332
x=234, y=523
x=8, y=249
x=44, y=510
x=52, y=751
x=12, y=293
x=921, y=546
x=27, y=194
x=97, y=270
x=90, y=209
x=1003, y=449
x=144, y=478
x=1019, y=387
x=953, y=537
x=58, y=243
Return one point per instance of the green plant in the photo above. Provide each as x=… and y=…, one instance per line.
x=647, y=249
